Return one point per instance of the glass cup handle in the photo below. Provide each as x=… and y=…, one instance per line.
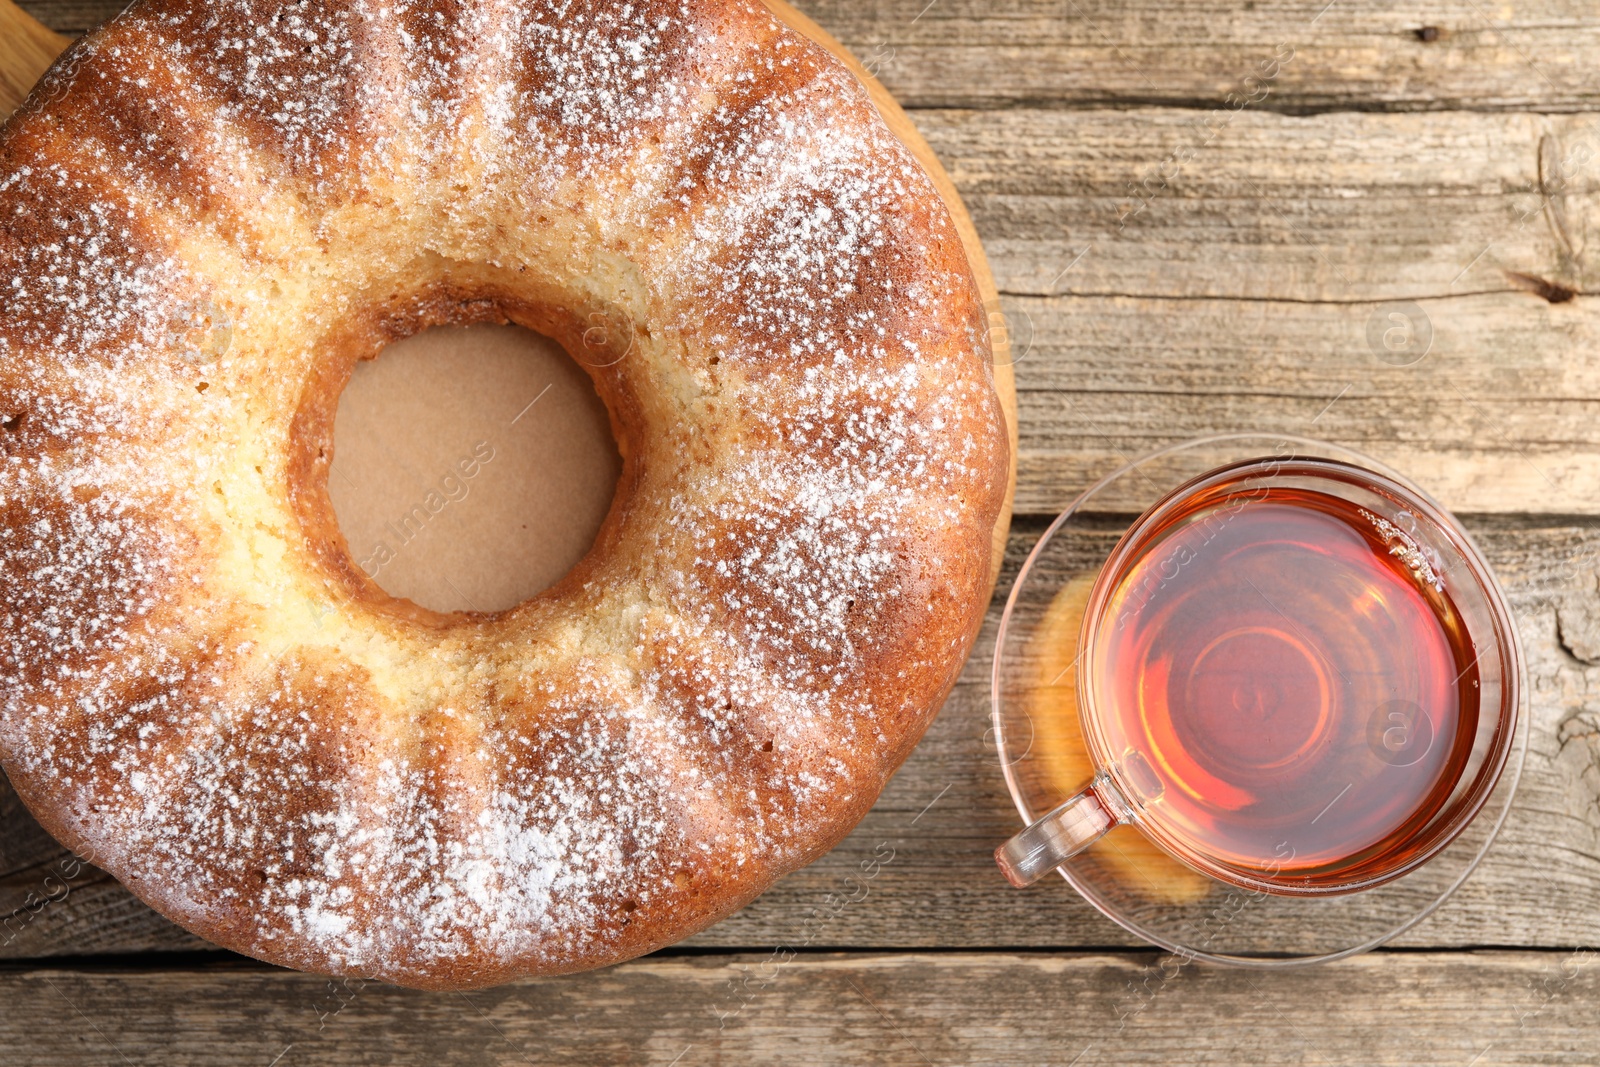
x=1062, y=833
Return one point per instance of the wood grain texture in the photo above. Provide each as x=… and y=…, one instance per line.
x=1535, y=55
x=1480, y=1008
x=1352, y=54
x=947, y=809
x=26, y=49
x=1163, y=281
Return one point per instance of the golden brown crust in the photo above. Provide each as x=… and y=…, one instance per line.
x=707, y=210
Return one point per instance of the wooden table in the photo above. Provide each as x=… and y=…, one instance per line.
x=1202, y=220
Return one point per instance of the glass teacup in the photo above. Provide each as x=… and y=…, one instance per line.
x=1294, y=674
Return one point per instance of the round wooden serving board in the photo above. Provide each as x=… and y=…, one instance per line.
x=26, y=50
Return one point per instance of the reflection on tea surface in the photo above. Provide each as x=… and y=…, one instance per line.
x=1295, y=675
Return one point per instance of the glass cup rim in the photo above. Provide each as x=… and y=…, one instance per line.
x=1512, y=735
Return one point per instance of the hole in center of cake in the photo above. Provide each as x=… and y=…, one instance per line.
x=473, y=467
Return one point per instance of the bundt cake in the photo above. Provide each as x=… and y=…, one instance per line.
x=209, y=211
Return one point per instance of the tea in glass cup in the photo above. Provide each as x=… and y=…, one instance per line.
x=1294, y=675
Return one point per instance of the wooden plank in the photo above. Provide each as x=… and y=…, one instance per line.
x=1347, y=54
x=1480, y=1008
x=1261, y=279
x=1337, y=208
x=1303, y=55
x=942, y=816
x=1363, y=54
x=72, y=17
x=1474, y=452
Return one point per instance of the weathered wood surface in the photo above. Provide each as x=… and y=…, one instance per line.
x=1451, y=1009
x=1252, y=288
x=1367, y=54
x=948, y=808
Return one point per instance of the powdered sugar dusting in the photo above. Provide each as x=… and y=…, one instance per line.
x=62, y=258
x=819, y=460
